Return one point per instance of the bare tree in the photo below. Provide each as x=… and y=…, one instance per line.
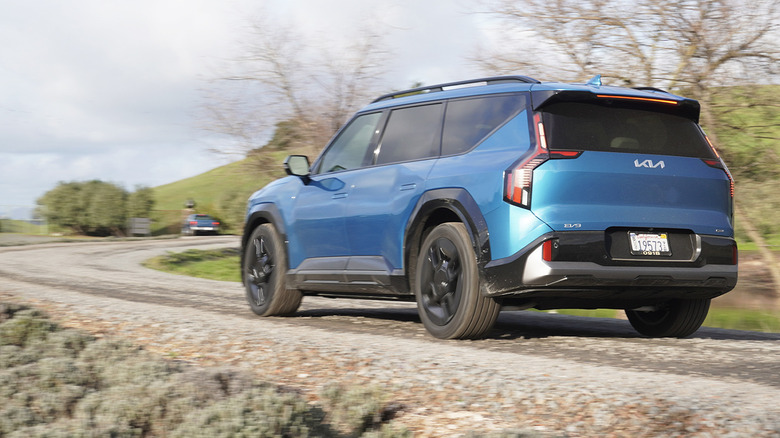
x=286, y=83
x=696, y=47
x=692, y=44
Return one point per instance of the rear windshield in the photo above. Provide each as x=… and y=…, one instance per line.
x=588, y=127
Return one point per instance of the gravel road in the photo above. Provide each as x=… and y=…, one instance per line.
x=566, y=376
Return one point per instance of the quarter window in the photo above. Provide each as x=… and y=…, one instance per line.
x=411, y=134
x=350, y=150
x=469, y=121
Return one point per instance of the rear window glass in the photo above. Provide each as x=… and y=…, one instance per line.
x=581, y=126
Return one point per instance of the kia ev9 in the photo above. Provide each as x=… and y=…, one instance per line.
x=503, y=192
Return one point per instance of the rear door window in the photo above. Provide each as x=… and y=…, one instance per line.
x=411, y=134
x=588, y=127
x=468, y=121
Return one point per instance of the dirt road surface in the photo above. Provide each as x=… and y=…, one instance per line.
x=568, y=376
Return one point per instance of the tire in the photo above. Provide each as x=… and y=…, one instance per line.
x=446, y=286
x=265, y=266
x=675, y=319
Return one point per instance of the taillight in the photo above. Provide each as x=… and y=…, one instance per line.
x=719, y=164
x=518, y=179
x=193, y=223
x=215, y=223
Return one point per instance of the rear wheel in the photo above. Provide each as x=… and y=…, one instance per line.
x=446, y=286
x=674, y=319
x=265, y=265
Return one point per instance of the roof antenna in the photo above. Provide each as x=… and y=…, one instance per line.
x=595, y=81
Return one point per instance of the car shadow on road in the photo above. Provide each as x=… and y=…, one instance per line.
x=518, y=325
x=529, y=325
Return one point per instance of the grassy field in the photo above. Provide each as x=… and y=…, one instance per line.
x=208, y=188
x=213, y=264
x=224, y=265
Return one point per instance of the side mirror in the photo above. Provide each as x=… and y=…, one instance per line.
x=298, y=165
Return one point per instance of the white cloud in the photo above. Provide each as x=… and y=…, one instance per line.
x=95, y=89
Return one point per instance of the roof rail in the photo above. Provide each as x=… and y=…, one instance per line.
x=461, y=84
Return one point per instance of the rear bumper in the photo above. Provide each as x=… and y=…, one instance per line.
x=584, y=266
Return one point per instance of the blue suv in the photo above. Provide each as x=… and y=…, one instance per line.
x=503, y=192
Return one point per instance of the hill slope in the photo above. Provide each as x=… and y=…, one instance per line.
x=221, y=192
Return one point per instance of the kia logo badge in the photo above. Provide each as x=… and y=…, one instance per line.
x=649, y=164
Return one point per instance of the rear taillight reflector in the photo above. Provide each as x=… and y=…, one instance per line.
x=547, y=249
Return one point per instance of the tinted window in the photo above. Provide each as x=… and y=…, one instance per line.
x=411, y=134
x=350, y=150
x=469, y=121
x=581, y=126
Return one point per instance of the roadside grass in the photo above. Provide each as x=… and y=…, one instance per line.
x=57, y=381
x=223, y=265
x=220, y=264
x=743, y=319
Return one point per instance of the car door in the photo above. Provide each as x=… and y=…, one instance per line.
x=383, y=196
x=317, y=235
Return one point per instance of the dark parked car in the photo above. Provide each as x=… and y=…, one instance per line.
x=199, y=223
x=504, y=192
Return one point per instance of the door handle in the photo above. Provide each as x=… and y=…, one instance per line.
x=339, y=196
x=409, y=186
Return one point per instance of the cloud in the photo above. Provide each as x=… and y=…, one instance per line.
x=105, y=90
x=95, y=89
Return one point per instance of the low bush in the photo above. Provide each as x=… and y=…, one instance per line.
x=57, y=382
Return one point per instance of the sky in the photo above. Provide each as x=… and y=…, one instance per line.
x=113, y=90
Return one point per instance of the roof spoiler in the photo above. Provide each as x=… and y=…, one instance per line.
x=650, y=99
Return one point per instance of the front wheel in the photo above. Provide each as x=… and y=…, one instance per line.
x=265, y=265
x=674, y=319
x=446, y=286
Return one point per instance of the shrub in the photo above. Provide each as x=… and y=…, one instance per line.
x=57, y=382
x=25, y=326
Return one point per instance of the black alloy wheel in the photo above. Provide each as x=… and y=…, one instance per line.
x=265, y=265
x=446, y=286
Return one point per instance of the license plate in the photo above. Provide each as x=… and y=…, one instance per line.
x=649, y=244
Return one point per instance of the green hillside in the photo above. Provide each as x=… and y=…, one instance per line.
x=221, y=192
x=208, y=187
